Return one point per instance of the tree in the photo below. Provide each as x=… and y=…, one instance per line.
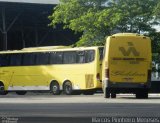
x=96, y=19
x=137, y=15
x=156, y=10
x=155, y=37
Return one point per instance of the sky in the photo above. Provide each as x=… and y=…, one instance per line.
x=157, y=28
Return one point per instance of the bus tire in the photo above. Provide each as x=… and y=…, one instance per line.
x=55, y=88
x=67, y=88
x=113, y=95
x=21, y=92
x=145, y=94
x=142, y=94
x=138, y=96
x=106, y=93
x=2, y=91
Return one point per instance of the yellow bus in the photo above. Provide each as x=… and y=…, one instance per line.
x=126, y=65
x=53, y=69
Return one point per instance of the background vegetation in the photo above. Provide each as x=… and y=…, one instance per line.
x=96, y=19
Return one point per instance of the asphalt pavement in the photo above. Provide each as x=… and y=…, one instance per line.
x=77, y=108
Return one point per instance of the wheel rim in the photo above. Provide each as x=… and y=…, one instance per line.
x=55, y=88
x=1, y=88
x=68, y=88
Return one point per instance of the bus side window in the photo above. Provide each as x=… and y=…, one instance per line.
x=4, y=60
x=56, y=57
x=80, y=57
x=1, y=60
x=69, y=57
x=15, y=59
x=28, y=59
x=42, y=58
x=89, y=56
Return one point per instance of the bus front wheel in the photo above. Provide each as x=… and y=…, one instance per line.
x=67, y=88
x=55, y=89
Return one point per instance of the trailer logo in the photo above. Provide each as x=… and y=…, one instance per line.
x=131, y=49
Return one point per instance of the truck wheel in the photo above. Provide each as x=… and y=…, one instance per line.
x=67, y=88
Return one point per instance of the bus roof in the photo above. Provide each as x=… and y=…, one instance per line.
x=127, y=34
x=44, y=49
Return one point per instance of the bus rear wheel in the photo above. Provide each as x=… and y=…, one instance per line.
x=113, y=95
x=67, y=88
x=106, y=93
x=142, y=94
x=21, y=92
x=55, y=89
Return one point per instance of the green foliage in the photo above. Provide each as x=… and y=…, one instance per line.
x=156, y=59
x=96, y=19
x=91, y=17
x=137, y=15
x=155, y=37
x=156, y=10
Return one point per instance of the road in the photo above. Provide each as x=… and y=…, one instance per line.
x=44, y=107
